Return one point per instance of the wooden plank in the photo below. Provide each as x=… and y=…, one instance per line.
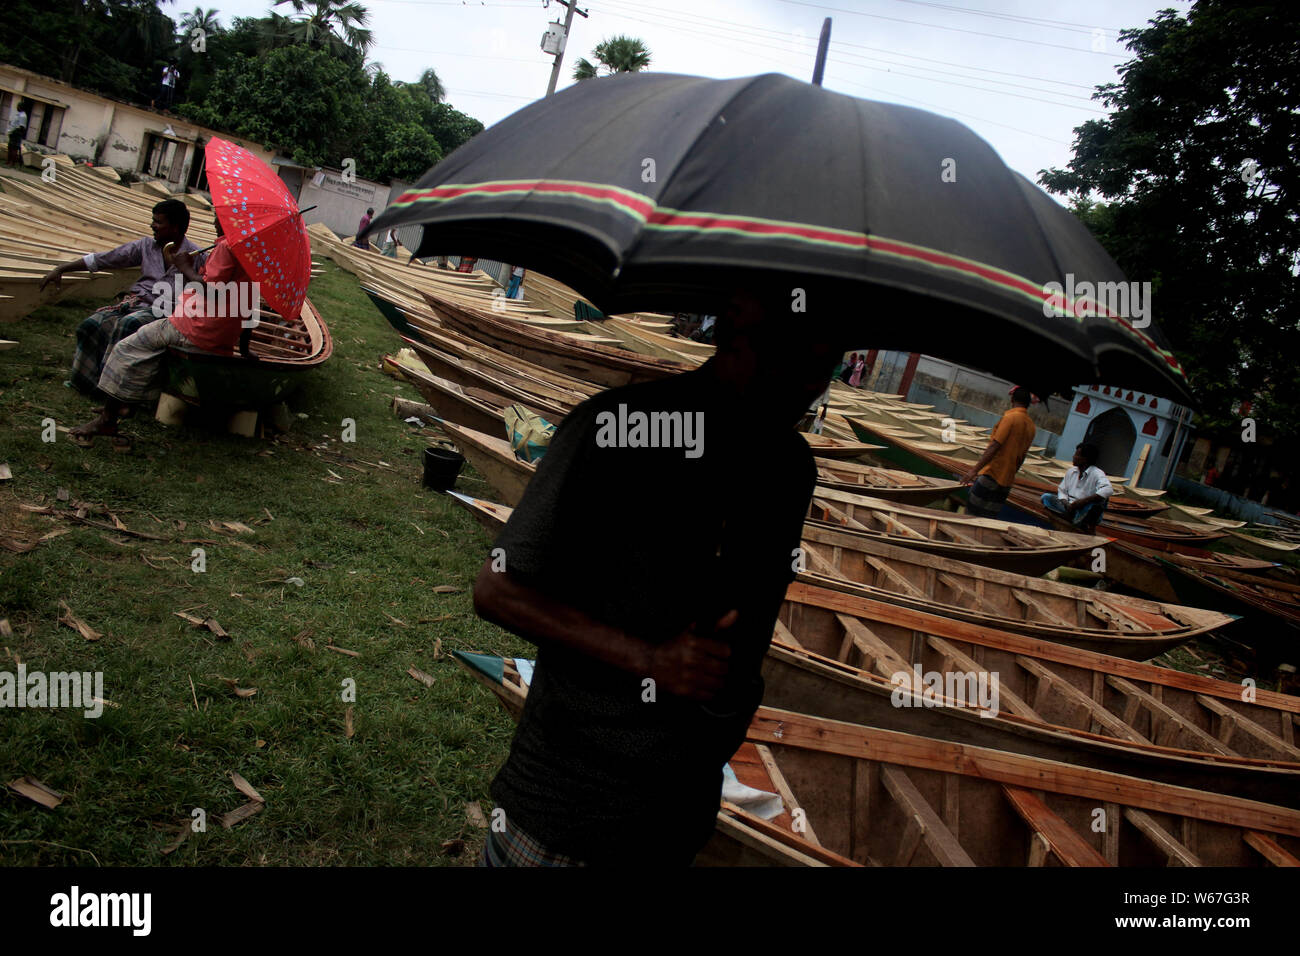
x=1251, y=728
x=1006, y=698
x=1098, y=713
x=783, y=634
x=775, y=837
x=930, y=828
x=773, y=725
x=1162, y=838
x=1066, y=845
x=1167, y=713
x=884, y=659
x=783, y=788
x=1047, y=614
x=1272, y=851
x=884, y=569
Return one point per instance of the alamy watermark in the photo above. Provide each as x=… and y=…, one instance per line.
x=640, y=429
x=917, y=688
x=1130, y=301
x=243, y=299
x=76, y=689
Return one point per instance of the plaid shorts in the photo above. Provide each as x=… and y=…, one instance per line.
x=133, y=367
x=513, y=847
x=97, y=335
x=986, y=497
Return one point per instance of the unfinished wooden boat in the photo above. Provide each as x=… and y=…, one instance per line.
x=490, y=515
x=600, y=364
x=909, y=797
x=1020, y=548
x=1107, y=623
x=284, y=350
x=1151, y=533
x=852, y=658
x=882, y=482
x=471, y=407
x=1145, y=569
x=1262, y=546
x=827, y=446
x=887, y=798
x=1270, y=609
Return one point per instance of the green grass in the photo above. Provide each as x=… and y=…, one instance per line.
x=371, y=545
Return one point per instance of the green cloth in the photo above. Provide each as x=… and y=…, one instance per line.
x=487, y=664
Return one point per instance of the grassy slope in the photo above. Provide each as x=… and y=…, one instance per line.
x=372, y=545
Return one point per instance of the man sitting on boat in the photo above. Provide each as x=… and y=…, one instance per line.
x=651, y=630
x=1083, y=492
x=203, y=321
x=106, y=327
x=991, y=477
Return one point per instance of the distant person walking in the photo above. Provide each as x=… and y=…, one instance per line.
x=17, y=132
x=991, y=477
x=848, y=367
x=391, y=244
x=858, y=368
x=516, y=280
x=361, y=242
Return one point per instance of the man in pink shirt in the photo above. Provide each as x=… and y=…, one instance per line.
x=209, y=318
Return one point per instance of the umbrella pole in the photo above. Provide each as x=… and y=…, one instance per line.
x=822, y=44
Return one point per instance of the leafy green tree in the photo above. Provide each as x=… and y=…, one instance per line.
x=620, y=54
x=305, y=103
x=1196, y=167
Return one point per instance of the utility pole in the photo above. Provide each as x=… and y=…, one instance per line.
x=571, y=6
x=823, y=43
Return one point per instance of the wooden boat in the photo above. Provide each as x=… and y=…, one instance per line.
x=1270, y=609
x=284, y=350
x=474, y=377
x=882, y=482
x=1263, y=546
x=471, y=407
x=490, y=515
x=1149, y=533
x=882, y=797
x=909, y=797
x=840, y=643
x=1142, y=569
x=827, y=446
x=600, y=364
x=1107, y=623
x=1022, y=549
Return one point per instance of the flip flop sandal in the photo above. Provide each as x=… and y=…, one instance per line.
x=84, y=441
x=121, y=443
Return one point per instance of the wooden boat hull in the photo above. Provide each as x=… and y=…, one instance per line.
x=906, y=792
x=494, y=459
x=1151, y=533
x=1106, y=623
x=986, y=542
x=236, y=382
x=885, y=483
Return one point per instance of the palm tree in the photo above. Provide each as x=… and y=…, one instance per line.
x=432, y=86
x=331, y=24
x=621, y=54
x=200, y=19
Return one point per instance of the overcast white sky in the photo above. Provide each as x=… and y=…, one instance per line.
x=1018, y=73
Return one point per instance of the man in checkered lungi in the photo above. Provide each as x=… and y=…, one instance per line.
x=104, y=328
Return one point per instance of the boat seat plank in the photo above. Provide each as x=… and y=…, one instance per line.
x=884, y=659
x=1006, y=699
x=1098, y=712
x=1032, y=603
x=1164, y=840
x=1203, y=740
x=1066, y=845
x=785, y=636
x=949, y=529
x=819, y=563
x=1270, y=849
x=907, y=586
x=1234, y=720
x=897, y=527
x=923, y=819
x=787, y=795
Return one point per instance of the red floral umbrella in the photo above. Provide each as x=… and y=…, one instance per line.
x=262, y=224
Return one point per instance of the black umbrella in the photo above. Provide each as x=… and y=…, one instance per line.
x=662, y=192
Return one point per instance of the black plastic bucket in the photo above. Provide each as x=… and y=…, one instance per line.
x=441, y=466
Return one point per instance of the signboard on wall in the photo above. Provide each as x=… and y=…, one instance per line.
x=334, y=183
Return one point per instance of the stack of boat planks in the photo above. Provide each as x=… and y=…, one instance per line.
x=47, y=223
x=901, y=617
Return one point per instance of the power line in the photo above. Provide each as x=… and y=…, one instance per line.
x=1012, y=17
x=935, y=26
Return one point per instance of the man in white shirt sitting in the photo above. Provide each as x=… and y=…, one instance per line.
x=1083, y=492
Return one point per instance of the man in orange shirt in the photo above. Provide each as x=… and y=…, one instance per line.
x=991, y=477
x=200, y=321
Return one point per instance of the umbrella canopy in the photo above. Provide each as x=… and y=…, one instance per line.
x=263, y=228
x=663, y=192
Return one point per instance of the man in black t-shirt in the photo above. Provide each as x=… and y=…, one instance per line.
x=647, y=561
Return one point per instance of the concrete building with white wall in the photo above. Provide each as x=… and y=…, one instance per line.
x=1124, y=422
x=131, y=139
